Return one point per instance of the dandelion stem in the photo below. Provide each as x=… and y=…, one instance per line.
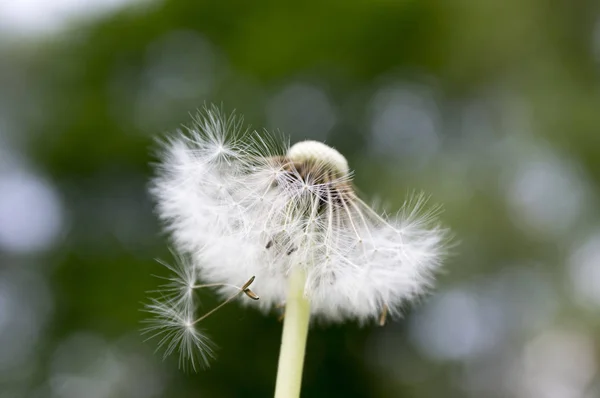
x=293, y=341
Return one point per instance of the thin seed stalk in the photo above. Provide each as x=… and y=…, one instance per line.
x=293, y=340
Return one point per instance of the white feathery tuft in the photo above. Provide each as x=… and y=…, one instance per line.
x=173, y=324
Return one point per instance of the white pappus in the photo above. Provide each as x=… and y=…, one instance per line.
x=239, y=204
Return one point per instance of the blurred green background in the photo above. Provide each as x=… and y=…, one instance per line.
x=493, y=108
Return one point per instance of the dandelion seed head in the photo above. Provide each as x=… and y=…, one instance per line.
x=239, y=203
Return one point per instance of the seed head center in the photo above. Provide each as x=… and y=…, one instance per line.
x=324, y=155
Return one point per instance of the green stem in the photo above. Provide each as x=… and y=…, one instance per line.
x=293, y=340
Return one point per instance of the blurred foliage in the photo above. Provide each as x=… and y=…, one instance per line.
x=84, y=106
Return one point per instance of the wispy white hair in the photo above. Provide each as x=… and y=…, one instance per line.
x=242, y=204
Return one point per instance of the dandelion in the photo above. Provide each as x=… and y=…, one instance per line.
x=243, y=204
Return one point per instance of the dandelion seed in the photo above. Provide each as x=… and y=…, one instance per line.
x=174, y=322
